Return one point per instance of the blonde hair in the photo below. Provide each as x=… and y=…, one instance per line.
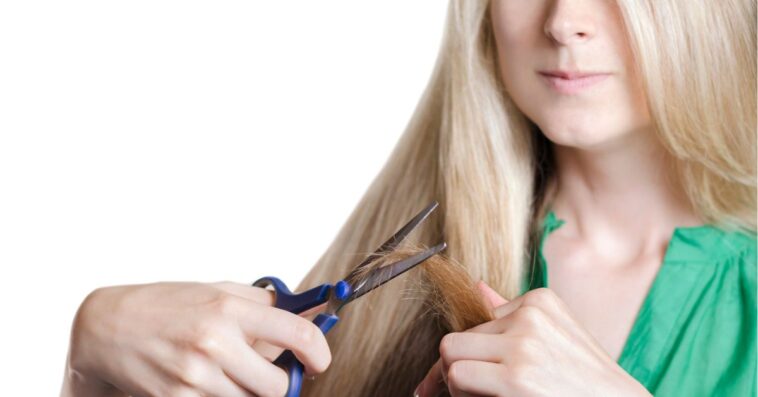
x=469, y=147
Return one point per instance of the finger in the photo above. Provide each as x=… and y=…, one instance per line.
x=470, y=377
x=223, y=384
x=204, y=369
x=208, y=377
x=271, y=352
x=501, y=314
x=457, y=346
x=251, y=372
x=185, y=391
x=262, y=295
x=508, y=308
x=433, y=383
x=312, y=312
x=458, y=393
x=546, y=305
x=249, y=292
x=290, y=331
x=267, y=350
x=490, y=295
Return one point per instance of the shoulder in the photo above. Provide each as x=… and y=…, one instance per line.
x=739, y=241
x=745, y=256
x=716, y=244
x=738, y=247
x=735, y=251
x=728, y=254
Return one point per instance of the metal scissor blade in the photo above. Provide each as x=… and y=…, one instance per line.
x=393, y=241
x=381, y=275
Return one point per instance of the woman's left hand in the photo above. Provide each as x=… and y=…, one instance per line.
x=533, y=347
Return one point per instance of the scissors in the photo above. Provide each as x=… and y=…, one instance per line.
x=343, y=292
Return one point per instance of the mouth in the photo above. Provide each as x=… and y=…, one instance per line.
x=570, y=82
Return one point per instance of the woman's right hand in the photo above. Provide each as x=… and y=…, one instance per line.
x=187, y=339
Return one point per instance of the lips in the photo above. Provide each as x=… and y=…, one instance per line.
x=571, y=82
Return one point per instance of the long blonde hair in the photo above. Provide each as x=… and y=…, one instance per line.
x=491, y=169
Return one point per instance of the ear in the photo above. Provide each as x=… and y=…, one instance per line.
x=490, y=295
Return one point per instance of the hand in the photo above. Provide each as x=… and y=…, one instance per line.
x=188, y=339
x=534, y=347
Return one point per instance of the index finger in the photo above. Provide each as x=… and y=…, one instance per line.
x=256, y=294
x=493, y=327
x=310, y=313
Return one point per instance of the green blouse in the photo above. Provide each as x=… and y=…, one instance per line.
x=695, y=333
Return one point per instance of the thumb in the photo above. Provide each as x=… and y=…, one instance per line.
x=490, y=295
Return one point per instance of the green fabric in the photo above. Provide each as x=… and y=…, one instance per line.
x=695, y=333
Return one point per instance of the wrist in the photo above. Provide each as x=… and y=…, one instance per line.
x=77, y=384
x=83, y=375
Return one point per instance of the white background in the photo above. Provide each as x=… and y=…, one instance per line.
x=181, y=140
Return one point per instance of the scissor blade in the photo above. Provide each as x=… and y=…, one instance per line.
x=393, y=241
x=381, y=275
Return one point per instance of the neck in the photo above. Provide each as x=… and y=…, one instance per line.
x=618, y=193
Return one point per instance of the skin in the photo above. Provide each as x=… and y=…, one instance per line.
x=193, y=339
x=187, y=339
x=619, y=210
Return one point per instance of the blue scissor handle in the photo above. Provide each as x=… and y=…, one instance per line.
x=297, y=303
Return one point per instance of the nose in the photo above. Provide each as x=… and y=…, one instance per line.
x=569, y=22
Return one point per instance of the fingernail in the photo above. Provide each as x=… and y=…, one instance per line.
x=417, y=392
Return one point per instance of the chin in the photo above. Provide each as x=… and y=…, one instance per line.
x=581, y=136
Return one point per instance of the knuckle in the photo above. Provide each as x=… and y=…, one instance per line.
x=525, y=346
x=264, y=295
x=190, y=370
x=222, y=284
x=226, y=304
x=531, y=315
x=447, y=344
x=304, y=332
x=208, y=341
x=518, y=374
x=455, y=373
x=502, y=322
x=540, y=296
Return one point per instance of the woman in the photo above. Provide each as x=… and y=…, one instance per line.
x=642, y=175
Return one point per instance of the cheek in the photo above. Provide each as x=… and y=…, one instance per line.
x=517, y=65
